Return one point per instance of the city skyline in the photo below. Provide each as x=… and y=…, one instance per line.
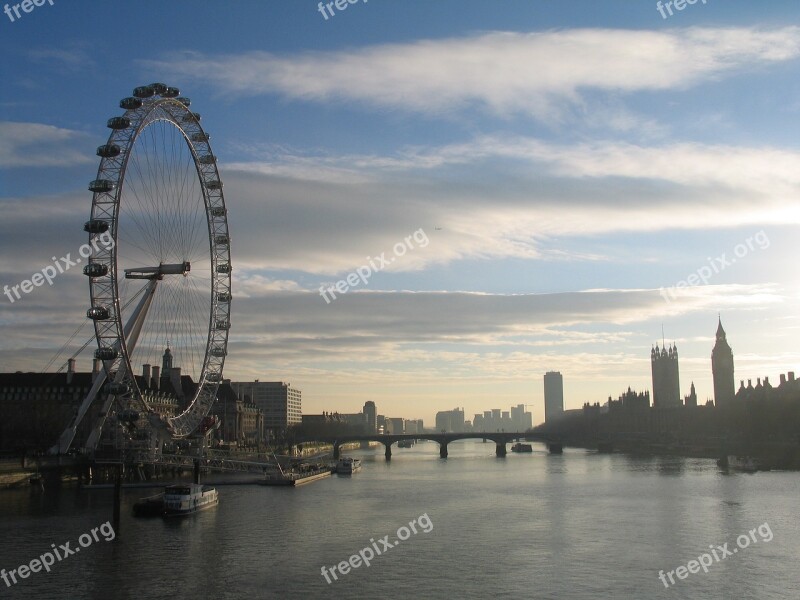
x=553, y=218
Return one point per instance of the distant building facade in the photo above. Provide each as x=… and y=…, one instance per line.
x=414, y=426
x=666, y=378
x=553, y=396
x=520, y=419
x=722, y=369
x=280, y=403
x=450, y=421
x=371, y=416
x=397, y=425
x=691, y=399
x=241, y=423
x=630, y=400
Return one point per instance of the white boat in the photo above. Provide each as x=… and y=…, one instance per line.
x=188, y=498
x=748, y=464
x=348, y=465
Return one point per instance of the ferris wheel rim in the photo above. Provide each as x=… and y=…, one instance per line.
x=148, y=105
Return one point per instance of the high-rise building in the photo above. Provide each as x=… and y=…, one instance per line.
x=478, y=424
x=553, y=396
x=722, y=369
x=666, y=380
x=397, y=425
x=371, y=416
x=279, y=401
x=451, y=421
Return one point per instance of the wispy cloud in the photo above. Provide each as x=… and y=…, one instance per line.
x=501, y=72
x=75, y=56
x=39, y=145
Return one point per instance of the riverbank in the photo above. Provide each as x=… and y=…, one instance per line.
x=783, y=457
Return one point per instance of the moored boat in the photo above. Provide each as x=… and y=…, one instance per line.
x=188, y=498
x=747, y=464
x=520, y=447
x=302, y=475
x=348, y=465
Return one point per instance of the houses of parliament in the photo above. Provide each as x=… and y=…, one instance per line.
x=759, y=419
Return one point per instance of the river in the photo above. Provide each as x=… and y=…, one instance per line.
x=579, y=525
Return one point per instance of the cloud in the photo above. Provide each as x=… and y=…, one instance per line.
x=76, y=57
x=498, y=197
x=500, y=72
x=39, y=145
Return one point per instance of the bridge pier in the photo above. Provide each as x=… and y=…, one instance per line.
x=500, y=449
x=336, y=451
x=443, y=449
x=555, y=448
x=388, y=453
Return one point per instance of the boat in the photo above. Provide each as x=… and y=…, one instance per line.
x=520, y=447
x=348, y=465
x=303, y=474
x=188, y=498
x=747, y=464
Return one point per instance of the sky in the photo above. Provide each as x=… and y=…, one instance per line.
x=551, y=185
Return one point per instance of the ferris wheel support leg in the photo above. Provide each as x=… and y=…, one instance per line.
x=65, y=441
x=132, y=330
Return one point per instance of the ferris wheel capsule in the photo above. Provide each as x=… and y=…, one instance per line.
x=108, y=150
x=118, y=123
x=130, y=103
x=98, y=313
x=144, y=91
x=95, y=226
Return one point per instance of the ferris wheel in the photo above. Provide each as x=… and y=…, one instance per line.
x=160, y=269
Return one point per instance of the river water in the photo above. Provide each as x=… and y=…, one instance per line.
x=579, y=525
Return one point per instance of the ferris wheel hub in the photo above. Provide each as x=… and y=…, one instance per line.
x=159, y=271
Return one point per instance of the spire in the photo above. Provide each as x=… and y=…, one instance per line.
x=720, y=330
x=166, y=361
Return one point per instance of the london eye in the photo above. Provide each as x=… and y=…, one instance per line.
x=160, y=270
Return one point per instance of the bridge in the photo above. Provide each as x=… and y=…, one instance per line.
x=500, y=438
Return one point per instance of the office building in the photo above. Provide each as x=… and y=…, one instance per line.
x=553, y=396
x=280, y=403
x=371, y=416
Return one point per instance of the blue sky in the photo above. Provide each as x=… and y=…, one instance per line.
x=566, y=161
